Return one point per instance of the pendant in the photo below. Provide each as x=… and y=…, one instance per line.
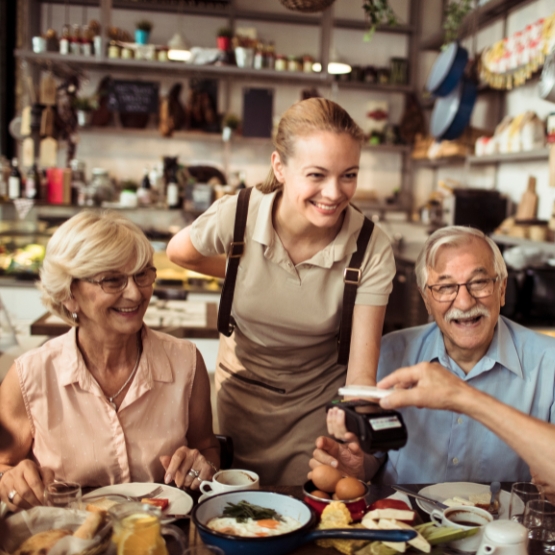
x=112, y=403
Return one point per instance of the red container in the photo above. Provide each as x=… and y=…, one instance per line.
x=357, y=507
x=223, y=43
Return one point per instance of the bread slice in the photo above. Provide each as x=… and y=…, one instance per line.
x=90, y=526
x=102, y=505
x=41, y=543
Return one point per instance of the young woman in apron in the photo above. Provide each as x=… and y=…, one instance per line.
x=287, y=290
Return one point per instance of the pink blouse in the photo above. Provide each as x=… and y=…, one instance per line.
x=78, y=434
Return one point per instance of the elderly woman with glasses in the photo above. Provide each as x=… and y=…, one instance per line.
x=110, y=401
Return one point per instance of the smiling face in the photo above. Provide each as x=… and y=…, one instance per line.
x=110, y=314
x=319, y=179
x=467, y=324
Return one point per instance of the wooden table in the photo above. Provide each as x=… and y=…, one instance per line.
x=210, y=331
x=376, y=492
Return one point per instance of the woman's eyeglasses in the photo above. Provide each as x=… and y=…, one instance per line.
x=477, y=288
x=116, y=283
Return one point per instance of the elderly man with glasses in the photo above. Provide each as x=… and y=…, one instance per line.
x=462, y=277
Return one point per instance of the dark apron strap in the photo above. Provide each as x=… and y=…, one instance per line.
x=236, y=250
x=351, y=277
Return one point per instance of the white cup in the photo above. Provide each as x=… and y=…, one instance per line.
x=230, y=480
x=504, y=537
x=463, y=517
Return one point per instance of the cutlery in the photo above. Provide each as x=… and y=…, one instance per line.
x=152, y=493
x=495, y=488
x=429, y=500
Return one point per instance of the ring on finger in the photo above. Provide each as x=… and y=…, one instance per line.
x=12, y=495
x=194, y=473
x=199, y=479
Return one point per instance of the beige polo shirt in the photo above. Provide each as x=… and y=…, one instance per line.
x=278, y=304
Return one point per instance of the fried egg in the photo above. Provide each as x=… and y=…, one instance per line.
x=254, y=528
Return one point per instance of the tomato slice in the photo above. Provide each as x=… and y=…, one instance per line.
x=390, y=504
x=157, y=502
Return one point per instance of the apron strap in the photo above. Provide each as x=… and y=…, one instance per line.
x=351, y=277
x=236, y=249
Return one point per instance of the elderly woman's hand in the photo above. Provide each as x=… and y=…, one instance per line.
x=27, y=480
x=187, y=468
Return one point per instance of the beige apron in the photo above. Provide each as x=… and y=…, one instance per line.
x=273, y=404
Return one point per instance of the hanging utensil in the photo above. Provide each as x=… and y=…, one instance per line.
x=447, y=70
x=546, y=86
x=452, y=113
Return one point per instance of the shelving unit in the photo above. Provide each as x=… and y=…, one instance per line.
x=62, y=64
x=530, y=156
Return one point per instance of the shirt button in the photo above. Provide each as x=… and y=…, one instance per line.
x=455, y=461
x=459, y=420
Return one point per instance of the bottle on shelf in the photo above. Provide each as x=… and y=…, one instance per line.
x=78, y=182
x=64, y=40
x=3, y=180
x=75, y=40
x=33, y=183
x=144, y=192
x=14, y=181
x=172, y=192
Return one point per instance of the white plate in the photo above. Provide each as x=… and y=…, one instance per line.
x=441, y=492
x=180, y=502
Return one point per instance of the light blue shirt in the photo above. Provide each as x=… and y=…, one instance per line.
x=518, y=369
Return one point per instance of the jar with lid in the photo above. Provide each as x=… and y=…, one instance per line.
x=86, y=41
x=99, y=189
x=259, y=57
x=113, y=50
x=294, y=64
x=270, y=56
x=307, y=64
x=126, y=53
x=281, y=63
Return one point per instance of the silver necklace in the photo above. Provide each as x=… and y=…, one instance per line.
x=111, y=398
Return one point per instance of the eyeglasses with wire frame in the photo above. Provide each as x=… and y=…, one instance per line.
x=116, y=283
x=477, y=288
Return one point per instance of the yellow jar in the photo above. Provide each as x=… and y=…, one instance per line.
x=113, y=50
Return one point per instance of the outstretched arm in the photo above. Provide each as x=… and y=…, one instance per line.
x=182, y=252
x=432, y=386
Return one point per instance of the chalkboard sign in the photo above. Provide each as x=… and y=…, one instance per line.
x=133, y=96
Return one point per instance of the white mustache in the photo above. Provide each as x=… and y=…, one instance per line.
x=458, y=314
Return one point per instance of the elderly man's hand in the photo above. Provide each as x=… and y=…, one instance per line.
x=187, y=468
x=348, y=457
x=547, y=488
x=27, y=480
x=425, y=385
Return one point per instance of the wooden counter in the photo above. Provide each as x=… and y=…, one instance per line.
x=209, y=331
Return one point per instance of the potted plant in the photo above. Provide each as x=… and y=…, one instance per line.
x=83, y=107
x=223, y=38
x=142, y=31
x=230, y=124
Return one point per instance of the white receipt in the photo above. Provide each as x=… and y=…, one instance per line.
x=364, y=391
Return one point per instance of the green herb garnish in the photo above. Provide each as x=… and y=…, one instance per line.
x=244, y=510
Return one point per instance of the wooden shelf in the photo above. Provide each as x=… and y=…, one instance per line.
x=177, y=69
x=486, y=15
x=439, y=162
x=226, y=11
x=533, y=155
x=200, y=136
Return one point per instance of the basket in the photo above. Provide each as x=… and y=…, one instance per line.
x=307, y=6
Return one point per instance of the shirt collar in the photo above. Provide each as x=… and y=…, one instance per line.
x=154, y=364
x=343, y=245
x=502, y=350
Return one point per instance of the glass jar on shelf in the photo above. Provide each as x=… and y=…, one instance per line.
x=294, y=64
x=280, y=63
x=99, y=188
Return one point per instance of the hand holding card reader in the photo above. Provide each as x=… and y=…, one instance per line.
x=377, y=429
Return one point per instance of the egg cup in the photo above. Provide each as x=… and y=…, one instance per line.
x=357, y=507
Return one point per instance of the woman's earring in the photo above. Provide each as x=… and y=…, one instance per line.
x=74, y=316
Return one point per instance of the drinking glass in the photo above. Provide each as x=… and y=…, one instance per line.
x=521, y=493
x=63, y=494
x=539, y=518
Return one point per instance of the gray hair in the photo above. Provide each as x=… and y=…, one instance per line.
x=87, y=244
x=454, y=236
